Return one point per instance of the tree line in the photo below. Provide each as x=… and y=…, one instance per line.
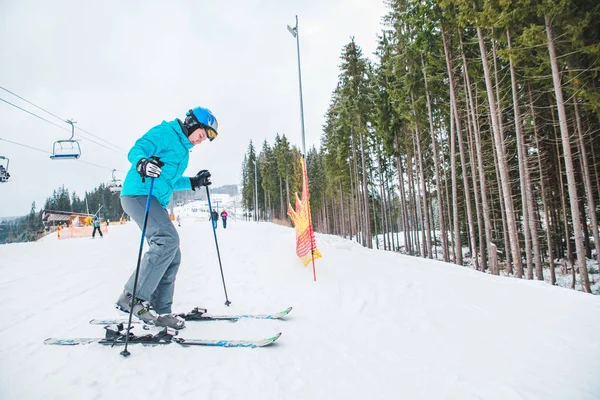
x=471, y=136
x=30, y=227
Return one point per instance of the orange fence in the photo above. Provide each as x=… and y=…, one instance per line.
x=79, y=231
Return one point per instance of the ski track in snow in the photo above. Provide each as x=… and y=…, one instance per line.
x=375, y=325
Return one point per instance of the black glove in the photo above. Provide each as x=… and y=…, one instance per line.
x=150, y=168
x=202, y=178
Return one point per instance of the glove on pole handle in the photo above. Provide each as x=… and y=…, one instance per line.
x=227, y=302
x=125, y=353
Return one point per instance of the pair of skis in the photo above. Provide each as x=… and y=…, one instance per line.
x=115, y=332
x=201, y=314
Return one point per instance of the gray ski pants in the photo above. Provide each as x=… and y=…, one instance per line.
x=159, y=266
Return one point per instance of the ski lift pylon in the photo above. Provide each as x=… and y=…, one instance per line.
x=4, y=175
x=68, y=149
x=115, y=184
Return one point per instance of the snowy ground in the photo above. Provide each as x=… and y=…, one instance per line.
x=375, y=325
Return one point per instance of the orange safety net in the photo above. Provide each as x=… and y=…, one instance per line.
x=80, y=231
x=306, y=247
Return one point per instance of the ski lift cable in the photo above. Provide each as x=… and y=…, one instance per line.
x=56, y=116
x=27, y=101
x=58, y=126
x=52, y=123
x=48, y=152
x=24, y=145
x=89, y=133
x=35, y=115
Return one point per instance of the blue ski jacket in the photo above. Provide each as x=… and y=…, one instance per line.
x=168, y=142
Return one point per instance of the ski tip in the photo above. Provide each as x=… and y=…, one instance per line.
x=285, y=312
x=270, y=340
x=281, y=314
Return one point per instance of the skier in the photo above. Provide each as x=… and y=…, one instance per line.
x=4, y=175
x=178, y=221
x=161, y=154
x=214, y=216
x=224, y=216
x=96, y=225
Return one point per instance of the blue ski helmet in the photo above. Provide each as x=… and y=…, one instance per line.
x=200, y=117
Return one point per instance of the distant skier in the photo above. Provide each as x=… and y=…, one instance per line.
x=214, y=216
x=178, y=221
x=4, y=175
x=96, y=225
x=166, y=145
x=224, y=216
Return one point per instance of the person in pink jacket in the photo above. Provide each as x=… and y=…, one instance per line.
x=224, y=216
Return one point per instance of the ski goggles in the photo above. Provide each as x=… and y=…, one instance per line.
x=210, y=133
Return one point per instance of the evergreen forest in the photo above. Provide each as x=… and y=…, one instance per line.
x=471, y=136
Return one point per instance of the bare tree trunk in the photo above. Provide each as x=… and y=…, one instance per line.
x=323, y=216
x=353, y=208
x=560, y=209
x=454, y=105
x=491, y=248
x=343, y=216
x=425, y=207
x=376, y=231
x=596, y=175
x=502, y=164
x=572, y=185
x=502, y=138
x=367, y=215
x=457, y=239
x=544, y=200
x=443, y=232
x=390, y=203
x=563, y=198
x=509, y=266
x=587, y=181
x=388, y=210
x=449, y=214
x=413, y=204
x=384, y=211
x=404, y=213
x=530, y=225
x=482, y=249
x=281, y=204
x=358, y=202
x=432, y=219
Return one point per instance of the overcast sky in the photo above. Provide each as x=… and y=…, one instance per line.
x=119, y=68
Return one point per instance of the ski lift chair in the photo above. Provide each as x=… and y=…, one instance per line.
x=4, y=175
x=115, y=185
x=67, y=149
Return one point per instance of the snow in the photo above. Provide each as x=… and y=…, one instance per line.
x=375, y=324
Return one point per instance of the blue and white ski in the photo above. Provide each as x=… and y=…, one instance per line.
x=162, y=339
x=200, y=314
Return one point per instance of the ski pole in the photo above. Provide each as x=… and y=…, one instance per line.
x=125, y=353
x=227, y=302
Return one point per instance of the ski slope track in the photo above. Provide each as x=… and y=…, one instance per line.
x=375, y=325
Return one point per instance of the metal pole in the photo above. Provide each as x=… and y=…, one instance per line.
x=295, y=33
x=125, y=352
x=227, y=302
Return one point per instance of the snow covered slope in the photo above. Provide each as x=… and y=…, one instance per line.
x=375, y=325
